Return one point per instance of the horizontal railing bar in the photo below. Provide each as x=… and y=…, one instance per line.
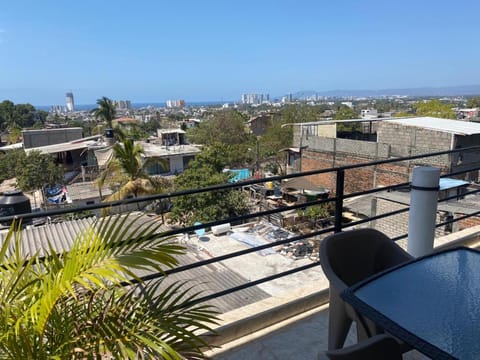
x=229, y=186
x=228, y=256
x=250, y=284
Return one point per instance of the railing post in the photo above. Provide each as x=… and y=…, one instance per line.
x=339, y=199
x=423, y=210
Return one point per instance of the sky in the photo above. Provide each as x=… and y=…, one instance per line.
x=212, y=50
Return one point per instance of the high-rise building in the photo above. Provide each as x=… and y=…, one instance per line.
x=122, y=104
x=70, y=103
x=254, y=99
x=175, y=103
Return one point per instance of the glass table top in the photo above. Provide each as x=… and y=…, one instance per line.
x=433, y=303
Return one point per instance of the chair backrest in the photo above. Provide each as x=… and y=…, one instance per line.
x=354, y=255
x=378, y=347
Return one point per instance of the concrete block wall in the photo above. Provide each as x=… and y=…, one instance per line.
x=408, y=140
x=44, y=137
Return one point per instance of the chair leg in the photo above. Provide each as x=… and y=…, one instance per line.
x=338, y=323
x=370, y=330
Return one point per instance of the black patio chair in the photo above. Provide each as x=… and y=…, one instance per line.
x=347, y=258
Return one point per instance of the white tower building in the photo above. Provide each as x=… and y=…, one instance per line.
x=70, y=103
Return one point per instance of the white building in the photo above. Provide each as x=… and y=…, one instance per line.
x=70, y=102
x=369, y=114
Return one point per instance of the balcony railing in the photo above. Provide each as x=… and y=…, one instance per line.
x=338, y=198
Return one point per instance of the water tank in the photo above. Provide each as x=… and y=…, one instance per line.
x=109, y=138
x=14, y=203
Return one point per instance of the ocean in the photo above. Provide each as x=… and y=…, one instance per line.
x=139, y=105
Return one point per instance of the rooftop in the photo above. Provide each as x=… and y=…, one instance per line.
x=456, y=127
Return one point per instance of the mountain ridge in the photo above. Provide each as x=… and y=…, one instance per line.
x=459, y=90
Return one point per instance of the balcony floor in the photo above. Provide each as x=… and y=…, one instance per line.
x=301, y=338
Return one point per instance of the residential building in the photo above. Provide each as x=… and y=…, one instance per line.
x=369, y=114
x=254, y=99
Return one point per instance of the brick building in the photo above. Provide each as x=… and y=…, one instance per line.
x=394, y=138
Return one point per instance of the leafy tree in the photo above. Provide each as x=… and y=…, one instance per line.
x=16, y=116
x=37, y=170
x=434, y=108
x=9, y=164
x=151, y=126
x=74, y=305
x=206, y=170
x=226, y=126
x=105, y=111
x=24, y=115
x=347, y=113
x=473, y=102
x=7, y=114
x=300, y=113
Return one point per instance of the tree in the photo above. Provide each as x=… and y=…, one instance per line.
x=473, y=102
x=206, y=170
x=226, y=126
x=16, y=116
x=347, y=113
x=129, y=171
x=37, y=170
x=105, y=111
x=10, y=164
x=75, y=305
x=434, y=108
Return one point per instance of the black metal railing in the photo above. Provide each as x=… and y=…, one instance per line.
x=338, y=224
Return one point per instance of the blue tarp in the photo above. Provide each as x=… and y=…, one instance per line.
x=239, y=174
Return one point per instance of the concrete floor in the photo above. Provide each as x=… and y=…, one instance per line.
x=302, y=338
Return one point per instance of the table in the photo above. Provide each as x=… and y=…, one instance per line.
x=432, y=303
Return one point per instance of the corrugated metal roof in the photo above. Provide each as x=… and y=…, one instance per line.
x=207, y=279
x=56, y=148
x=456, y=127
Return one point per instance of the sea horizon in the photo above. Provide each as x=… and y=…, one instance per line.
x=139, y=105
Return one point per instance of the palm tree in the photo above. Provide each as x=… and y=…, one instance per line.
x=128, y=169
x=75, y=304
x=105, y=111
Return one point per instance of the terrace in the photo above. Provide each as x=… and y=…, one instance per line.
x=276, y=307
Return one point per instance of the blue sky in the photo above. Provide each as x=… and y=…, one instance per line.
x=153, y=50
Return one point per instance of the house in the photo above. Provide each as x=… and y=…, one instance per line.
x=468, y=114
x=259, y=124
x=73, y=154
x=176, y=157
x=394, y=138
x=369, y=114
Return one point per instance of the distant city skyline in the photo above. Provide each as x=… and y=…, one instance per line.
x=216, y=50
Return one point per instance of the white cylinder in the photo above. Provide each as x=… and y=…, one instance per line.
x=423, y=210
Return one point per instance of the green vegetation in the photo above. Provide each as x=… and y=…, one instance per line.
x=346, y=113
x=37, y=170
x=105, y=111
x=32, y=170
x=127, y=171
x=434, y=108
x=206, y=170
x=226, y=126
x=473, y=102
x=18, y=116
x=74, y=305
